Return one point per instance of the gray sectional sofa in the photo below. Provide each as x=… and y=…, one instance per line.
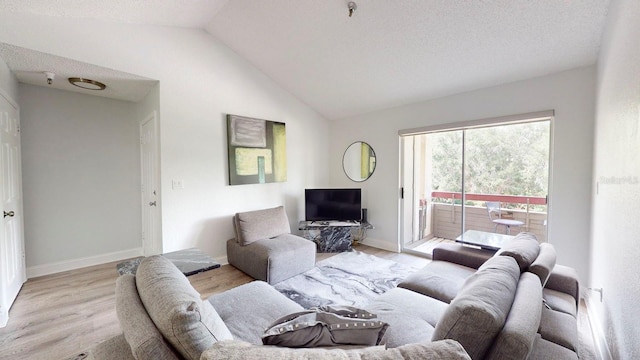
x=493, y=312
x=163, y=318
x=517, y=303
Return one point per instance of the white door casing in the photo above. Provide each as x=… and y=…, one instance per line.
x=150, y=178
x=12, y=261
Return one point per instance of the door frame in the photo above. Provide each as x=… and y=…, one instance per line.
x=545, y=115
x=154, y=246
x=5, y=307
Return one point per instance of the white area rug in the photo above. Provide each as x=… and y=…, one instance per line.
x=349, y=278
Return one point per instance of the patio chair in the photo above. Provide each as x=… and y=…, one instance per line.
x=494, y=207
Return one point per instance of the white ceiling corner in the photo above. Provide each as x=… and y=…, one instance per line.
x=29, y=67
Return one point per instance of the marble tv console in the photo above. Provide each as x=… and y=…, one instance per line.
x=334, y=236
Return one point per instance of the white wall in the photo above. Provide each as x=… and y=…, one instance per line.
x=8, y=82
x=616, y=205
x=570, y=94
x=81, y=177
x=149, y=104
x=201, y=81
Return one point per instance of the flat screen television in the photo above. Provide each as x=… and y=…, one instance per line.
x=332, y=204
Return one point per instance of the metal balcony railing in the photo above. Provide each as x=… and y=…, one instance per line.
x=512, y=199
x=446, y=216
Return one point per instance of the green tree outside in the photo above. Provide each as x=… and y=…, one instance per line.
x=504, y=160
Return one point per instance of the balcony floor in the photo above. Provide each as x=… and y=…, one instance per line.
x=426, y=246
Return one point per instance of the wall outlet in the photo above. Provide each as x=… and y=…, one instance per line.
x=598, y=290
x=177, y=184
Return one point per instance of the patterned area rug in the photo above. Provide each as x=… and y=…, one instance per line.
x=349, y=278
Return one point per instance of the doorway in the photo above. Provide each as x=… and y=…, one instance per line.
x=12, y=262
x=150, y=177
x=458, y=175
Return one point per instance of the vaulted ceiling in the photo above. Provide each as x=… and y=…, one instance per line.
x=389, y=53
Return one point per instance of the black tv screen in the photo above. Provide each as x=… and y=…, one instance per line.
x=332, y=204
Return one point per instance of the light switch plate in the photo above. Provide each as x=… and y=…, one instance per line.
x=177, y=184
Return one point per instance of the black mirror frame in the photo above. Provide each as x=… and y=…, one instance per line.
x=373, y=155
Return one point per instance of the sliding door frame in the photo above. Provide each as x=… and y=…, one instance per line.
x=403, y=206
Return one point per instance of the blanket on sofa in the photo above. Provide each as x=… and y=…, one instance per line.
x=349, y=278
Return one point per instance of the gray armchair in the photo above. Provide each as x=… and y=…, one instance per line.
x=265, y=249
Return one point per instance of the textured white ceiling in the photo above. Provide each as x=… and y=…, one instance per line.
x=390, y=53
x=29, y=67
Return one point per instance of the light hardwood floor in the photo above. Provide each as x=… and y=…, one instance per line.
x=61, y=315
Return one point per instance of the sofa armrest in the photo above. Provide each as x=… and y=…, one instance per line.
x=113, y=348
x=564, y=279
x=461, y=255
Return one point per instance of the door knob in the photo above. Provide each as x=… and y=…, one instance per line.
x=153, y=203
x=9, y=214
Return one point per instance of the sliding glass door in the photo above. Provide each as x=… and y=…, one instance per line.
x=475, y=181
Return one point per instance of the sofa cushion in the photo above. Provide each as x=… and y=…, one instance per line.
x=257, y=298
x=411, y=316
x=544, y=263
x=273, y=260
x=461, y=255
x=185, y=321
x=559, y=301
x=524, y=248
x=261, y=224
x=559, y=328
x=545, y=350
x=516, y=338
x=142, y=336
x=237, y=350
x=478, y=312
x=326, y=326
x=440, y=280
x=565, y=279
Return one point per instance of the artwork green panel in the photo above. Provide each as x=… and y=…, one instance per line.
x=280, y=152
x=247, y=161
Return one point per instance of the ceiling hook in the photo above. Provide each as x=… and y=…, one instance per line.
x=352, y=7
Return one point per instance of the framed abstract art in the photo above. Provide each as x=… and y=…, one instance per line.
x=257, y=150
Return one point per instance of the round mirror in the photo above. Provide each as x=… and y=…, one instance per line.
x=359, y=161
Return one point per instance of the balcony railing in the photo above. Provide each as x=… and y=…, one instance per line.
x=511, y=199
x=439, y=219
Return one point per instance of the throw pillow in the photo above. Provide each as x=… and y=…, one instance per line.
x=524, y=248
x=327, y=326
x=185, y=321
x=544, y=263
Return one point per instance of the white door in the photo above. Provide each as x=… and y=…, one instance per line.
x=12, y=264
x=151, y=242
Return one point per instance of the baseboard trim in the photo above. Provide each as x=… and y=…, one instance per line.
x=384, y=245
x=222, y=260
x=60, y=266
x=4, y=317
x=602, y=347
